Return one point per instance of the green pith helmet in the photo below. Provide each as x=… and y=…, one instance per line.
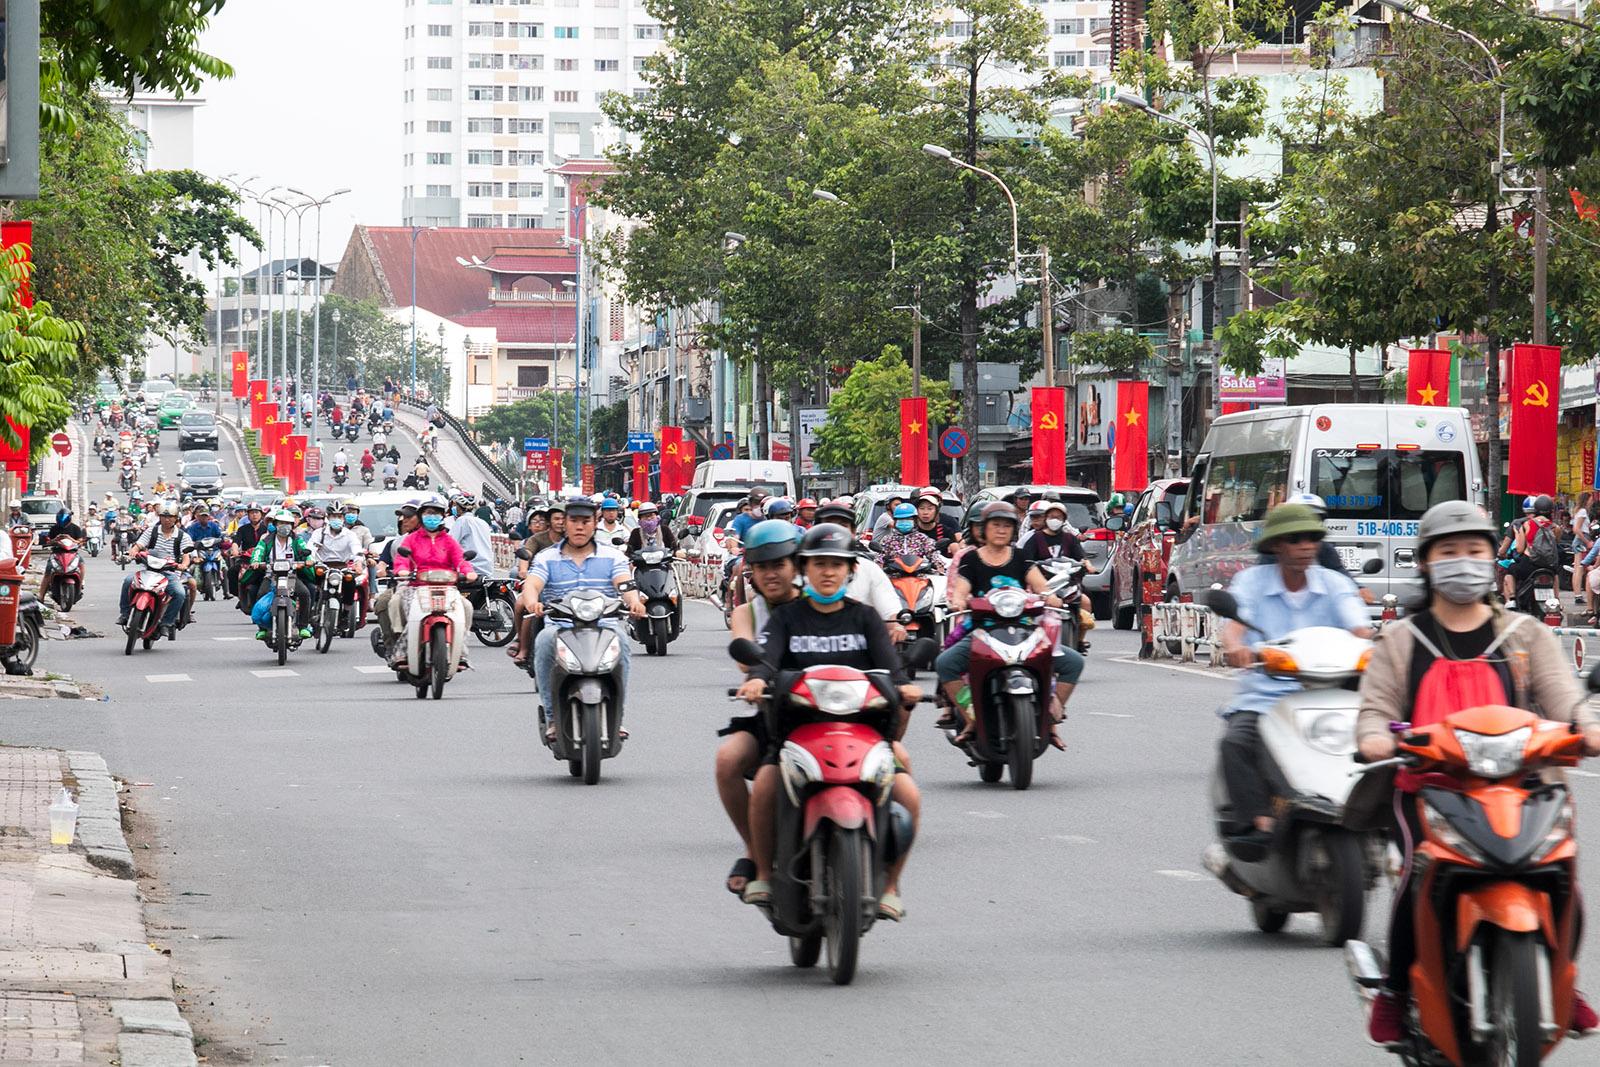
x=1286, y=520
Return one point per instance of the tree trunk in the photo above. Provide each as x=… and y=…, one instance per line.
x=970, y=267
x=763, y=401
x=1491, y=474
x=1355, y=379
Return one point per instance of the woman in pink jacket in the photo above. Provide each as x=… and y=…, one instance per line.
x=431, y=548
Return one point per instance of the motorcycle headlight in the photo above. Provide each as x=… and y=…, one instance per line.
x=612, y=653
x=1008, y=603
x=1560, y=830
x=1440, y=829
x=1494, y=755
x=1333, y=732
x=567, y=658
x=587, y=609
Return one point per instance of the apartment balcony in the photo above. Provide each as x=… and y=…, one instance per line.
x=517, y=296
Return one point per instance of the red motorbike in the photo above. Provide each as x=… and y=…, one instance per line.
x=838, y=831
x=1011, y=679
x=65, y=570
x=147, y=602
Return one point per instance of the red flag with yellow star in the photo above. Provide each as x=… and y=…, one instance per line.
x=1535, y=398
x=914, y=440
x=1428, y=377
x=1049, y=416
x=1130, y=470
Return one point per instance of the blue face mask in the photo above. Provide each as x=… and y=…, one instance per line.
x=272, y=527
x=819, y=598
x=336, y=523
x=432, y=523
x=903, y=525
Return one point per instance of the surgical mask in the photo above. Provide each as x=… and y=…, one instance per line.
x=272, y=527
x=811, y=592
x=1462, y=580
x=352, y=520
x=1054, y=525
x=336, y=523
x=649, y=526
x=903, y=525
x=432, y=523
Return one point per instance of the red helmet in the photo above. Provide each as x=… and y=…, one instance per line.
x=805, y=502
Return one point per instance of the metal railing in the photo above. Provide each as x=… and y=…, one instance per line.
x=518, y=296
x=464, y=437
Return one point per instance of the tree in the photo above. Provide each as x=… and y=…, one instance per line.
x=37, y=351
x=372, y=345
x=125, y=45
x=547, y=413
x=863, y=428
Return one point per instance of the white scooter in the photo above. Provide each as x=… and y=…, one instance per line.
x=1313, y=862
x=436, y=629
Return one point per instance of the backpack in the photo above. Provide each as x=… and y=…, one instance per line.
x=1544, y=549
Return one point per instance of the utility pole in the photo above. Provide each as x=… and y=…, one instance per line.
x=916, y=342
x=1045, y=324
x=1541, y=259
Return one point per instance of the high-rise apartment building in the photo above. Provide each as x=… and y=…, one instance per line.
x=498, y=91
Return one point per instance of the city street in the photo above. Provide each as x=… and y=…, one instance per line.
x=348, y=875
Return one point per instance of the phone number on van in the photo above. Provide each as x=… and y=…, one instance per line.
x=1386, y=529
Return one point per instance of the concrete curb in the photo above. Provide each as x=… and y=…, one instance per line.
x=99, y=817
x=236, y=437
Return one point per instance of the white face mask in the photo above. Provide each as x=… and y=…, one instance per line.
x=1054, y=525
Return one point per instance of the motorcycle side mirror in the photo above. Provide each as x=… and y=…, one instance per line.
x=1592, y=681
x=904, y=617
x=469, y=554
x=1221, y=602
x=745, y=651
x=524, y=555
x=1372, y=566
x=403, y=551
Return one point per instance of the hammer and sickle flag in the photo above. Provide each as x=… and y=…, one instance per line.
x=1049, y=409
x=1535, y=383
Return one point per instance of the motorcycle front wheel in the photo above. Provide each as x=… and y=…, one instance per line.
x=25, y=653
x=280, y=636
x=1517, y=1040
x=591, y=744
x=1342, y=893
x=845, y=875
x=499, y=633
x=135, y=628
x=211, y=585
x=438, y=660
x=325, y=630
x=1024, y=728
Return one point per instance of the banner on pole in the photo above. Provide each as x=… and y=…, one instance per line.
x=553, y=461
x=241, y=374
x=1534, y=397
x=1428, y=373
x=1131, y=467
x=641, y=476
x=914, y=440
x=1049, y=422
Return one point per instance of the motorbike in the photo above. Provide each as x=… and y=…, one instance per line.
x=108, y=456
x=147, y=602
x=366, y=476
x=921, y=611
x=153, y=441
x=735, y=590
x=128, y=478
x=587, y=687
x=1537, y=594
x=1314, y=863
x=663, y=621
x=341, y=473
x=838, y=831
x=435, y=630
x=305, y=417
x=66, y=588
x=1496, y=897
x=23, y=652
x=1011, y=678
x=340, y=608
x=94, y=539
x=494, y=602
x=390, y=482
x=121, y=543
x=283, y=635
x=1066, y=582
x=352, y=431
x=208, y=571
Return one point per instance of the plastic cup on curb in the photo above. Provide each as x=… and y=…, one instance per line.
x=63, y=818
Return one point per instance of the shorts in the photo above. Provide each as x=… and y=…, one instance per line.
x=756, y=726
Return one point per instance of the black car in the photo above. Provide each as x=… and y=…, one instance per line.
x=200, y=479
x=197, y=429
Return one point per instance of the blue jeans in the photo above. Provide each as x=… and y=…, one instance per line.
x=544, y=658
x=952, y=663
x=177, y=593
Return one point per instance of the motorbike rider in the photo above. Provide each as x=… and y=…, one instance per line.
x=407, y=521
x=472, y=533
x=1055, y=539
x=575, y=562
x=1289, y=594
x=869, y=584
x=995, y=562
x=419, y=474
x=338, y=543
x=203, y=525
x=341, y=458
x=906, y=540
x=1461, y=649
x=368, y=462
x=770, y=549
x=63, y=527
x=245, y=539
x=551, y=520
x=280, y=542
x=1533, y=547
x=611, y=529
x=930, y=520
x=165, y=540
x=432, y=548
x=805, y=513
x=885, y=524
x=390, y=473
x=824, y=627
x=650, y=532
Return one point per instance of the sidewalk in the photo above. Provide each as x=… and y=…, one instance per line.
x=79, y=981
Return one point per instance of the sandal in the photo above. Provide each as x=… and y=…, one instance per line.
x=758, y=893
x=513, y=650
x=890, y=907
x=744, y=867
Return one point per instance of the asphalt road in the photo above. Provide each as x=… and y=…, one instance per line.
x=347, y=875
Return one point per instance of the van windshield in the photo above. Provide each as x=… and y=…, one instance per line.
x=1376, y=483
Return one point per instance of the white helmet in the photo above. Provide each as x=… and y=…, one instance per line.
x=1310, y=500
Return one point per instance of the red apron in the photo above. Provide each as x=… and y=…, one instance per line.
x=1450, y=685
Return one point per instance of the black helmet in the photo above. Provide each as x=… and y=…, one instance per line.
x=828, y=539
x=833, y=511
x=1544, y=506
x=580, y=507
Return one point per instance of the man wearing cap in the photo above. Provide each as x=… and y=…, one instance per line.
x=1277, y=598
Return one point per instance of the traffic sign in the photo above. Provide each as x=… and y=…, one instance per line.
x=313, y=462
x=641, y=442
x=588, y=479
x=954, y=442
x=536, y=444
x=722, y=451
x=61, y=443
x=534, y=461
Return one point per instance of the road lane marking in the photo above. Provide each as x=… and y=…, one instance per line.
x=1185, y=876
x=241, y=637
x=986, y=814
x=277, y=672
x=168, y=678
x=1074, y=839
x=1110, y=715
x=1201, y=672
x=374, y=668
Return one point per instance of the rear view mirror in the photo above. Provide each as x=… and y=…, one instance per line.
x=1114, y=523
x=470, y=554
x=524, y=555
x=1372, y=566
x=745, y=651
x=1164, y=514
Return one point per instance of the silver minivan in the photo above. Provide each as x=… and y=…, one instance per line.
x=1377, y=466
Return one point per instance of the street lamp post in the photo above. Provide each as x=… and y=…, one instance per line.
x=416, y=231
x=336, y=316
x=240, y=189
x=278, y=335
x=316, y=309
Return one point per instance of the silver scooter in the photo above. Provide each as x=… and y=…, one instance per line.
x=1313, y=863
x=587, y=685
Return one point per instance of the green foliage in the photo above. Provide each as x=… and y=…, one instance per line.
x=37, y=351
x=1118, y=351
x=863, y=428
x=371, y=345
x=128, y=45
x=547, y=413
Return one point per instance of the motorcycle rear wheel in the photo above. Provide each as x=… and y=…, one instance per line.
x=211, y=585
x=25, y=653
x=592, y=754
x=842, y=892
x=1024, y=728
x=438, y=660
x=280, y=635
x=1268, y=920
x=1342, y=899
x=991, y=772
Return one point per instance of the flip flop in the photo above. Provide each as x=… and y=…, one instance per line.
x=744, y=867
x=890, y=907
x=758, y=893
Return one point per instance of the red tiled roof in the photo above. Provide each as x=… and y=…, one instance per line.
x=585, y=166
x=533, y=325
x=544, y=264
x=444, y=287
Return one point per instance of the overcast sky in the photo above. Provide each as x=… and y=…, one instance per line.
x=314, y=103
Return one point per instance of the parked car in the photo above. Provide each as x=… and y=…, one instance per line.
x=1144, y=540
x=40, y=511
x=1086, y=512
x=197, y=429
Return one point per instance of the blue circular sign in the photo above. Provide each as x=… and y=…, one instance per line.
x=953, y=442
x=722, y=451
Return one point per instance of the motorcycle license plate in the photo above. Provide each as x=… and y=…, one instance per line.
x=1544, y=595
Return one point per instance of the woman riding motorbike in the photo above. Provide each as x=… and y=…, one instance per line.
x=1462, y=650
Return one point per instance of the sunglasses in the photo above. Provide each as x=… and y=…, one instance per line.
x=1299, y=538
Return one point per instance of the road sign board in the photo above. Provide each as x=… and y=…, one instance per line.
x=722, y=451
x=536, y=444
x=534, y=461
x=588, y=479
x=641, y=442
x=954, y=442
x=61, y=443
x=313, y=462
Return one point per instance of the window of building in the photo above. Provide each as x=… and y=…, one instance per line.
x=605, y=3
x=525, y=190
x=439, y=190
x=565, y=127
x=439, y=62
x=407, y=159
x=438, y=125
x=638, y=62
x=647, y=32
x=486, y=29
x=411, y=32
x=486, y=92
x=524, y=94
x=485, y=125
x=485, y=61
x=566, y=3
x=569, y=33
x=406, y=96
x=435, y=30
x=958, y=29
x=608, y=33
x=408, y=127
x=409, y=62
x=526, y=126
x=524, y=157
x=533, y=377
x=566, y=96
x=484, y=222
x=1096, y=25
x=1069, y=59
x=1100, y=57
x=485, y=157
x=527, y=62
x=485, y=189
x=438, y=159
x=446, y=3
x=527, y=30
x=524, y=222
x=1068, y=27
x=566, y=64
x=604, y=65
x=440, y=95
x=641, y=94
x=559, y=192
x=438, y=220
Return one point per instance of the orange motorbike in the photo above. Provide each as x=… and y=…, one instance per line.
x=921, y=601
x=1495, y=899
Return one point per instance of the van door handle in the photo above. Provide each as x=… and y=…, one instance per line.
x=1405, y=557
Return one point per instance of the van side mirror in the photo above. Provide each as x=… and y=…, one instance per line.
x=1164, y=517
x=1114, y=523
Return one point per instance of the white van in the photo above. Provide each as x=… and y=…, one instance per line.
x=1378, y=467
x=747, y=474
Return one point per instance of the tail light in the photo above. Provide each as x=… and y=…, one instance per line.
x=1099, y=533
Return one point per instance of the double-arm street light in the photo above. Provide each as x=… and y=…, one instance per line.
x=316, y=310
